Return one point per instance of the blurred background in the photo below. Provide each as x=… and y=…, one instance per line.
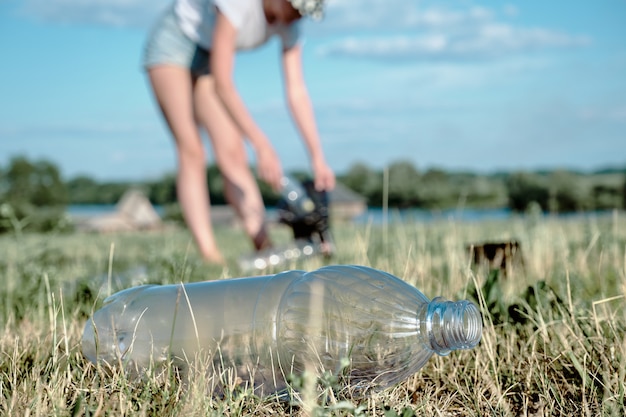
x=493, y=98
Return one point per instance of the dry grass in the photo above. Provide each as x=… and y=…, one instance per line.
x=556, y=349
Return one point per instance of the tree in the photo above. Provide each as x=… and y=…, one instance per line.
x=606, y=197
x=3, y=184
x=365, y=181
x=404, y=184
x=525, y=188
x=82, y=190
x=624, y=193
x=33, y=197
x=163, y=191
x=436, y=190
x=39, y=183
x=215, y=183
x=567, y=192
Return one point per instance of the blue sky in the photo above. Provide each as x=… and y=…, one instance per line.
x=465, y=84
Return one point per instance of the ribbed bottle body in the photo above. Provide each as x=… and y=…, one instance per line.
x=348, y=312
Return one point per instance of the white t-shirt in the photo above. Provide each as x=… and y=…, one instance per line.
x=197, y=19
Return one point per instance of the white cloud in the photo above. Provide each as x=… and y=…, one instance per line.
x=510, y=10
x=488, y=41
x=117, y=13
x=380, y=47
x=402, y=29
x=397, y=14
x=350, y=14
x=597, y=114
x=415, y=30
x=618, y=114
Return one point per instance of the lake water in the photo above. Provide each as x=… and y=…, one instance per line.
x=91, y=210
x=377, y=215
x=372, y=215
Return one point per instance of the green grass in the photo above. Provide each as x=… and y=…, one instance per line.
x=553, y=343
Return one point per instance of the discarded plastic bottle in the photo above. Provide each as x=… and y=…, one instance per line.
x=296, y=196
x=274, y=257
x=265, y=328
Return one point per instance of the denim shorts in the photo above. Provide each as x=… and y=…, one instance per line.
x=168, y=45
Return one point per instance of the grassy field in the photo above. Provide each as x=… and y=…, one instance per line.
x=553, y=341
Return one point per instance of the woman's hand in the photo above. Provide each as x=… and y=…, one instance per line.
x=268, y=167
x=324, y=176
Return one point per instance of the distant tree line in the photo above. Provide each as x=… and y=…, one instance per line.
x=558, y=191
x=33, y=194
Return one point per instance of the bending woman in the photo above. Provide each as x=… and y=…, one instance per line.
x=190, y=58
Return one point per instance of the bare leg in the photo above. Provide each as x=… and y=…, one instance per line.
x=241, y=189
x=173, y=88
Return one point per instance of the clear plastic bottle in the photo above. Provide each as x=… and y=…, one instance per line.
x=296, y=196
x=267, y=327
x=277, y=257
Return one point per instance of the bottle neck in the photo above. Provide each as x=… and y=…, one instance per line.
x=450, y=325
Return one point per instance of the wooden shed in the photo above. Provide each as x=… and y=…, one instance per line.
x=345, y=204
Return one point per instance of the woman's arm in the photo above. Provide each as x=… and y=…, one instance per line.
x=302, y=112
x=222, y=68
